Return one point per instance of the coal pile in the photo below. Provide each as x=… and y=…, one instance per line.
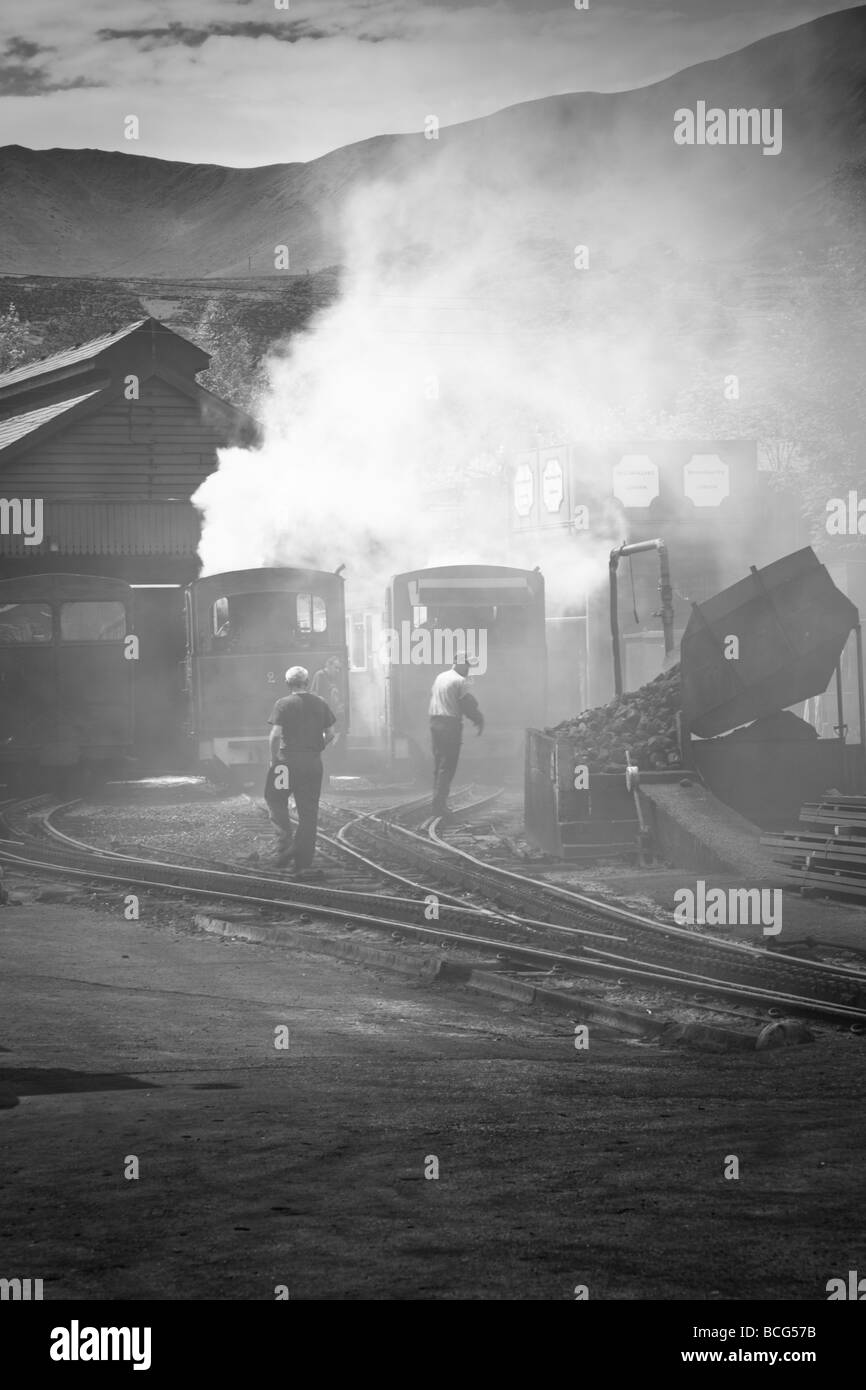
x=642, y=721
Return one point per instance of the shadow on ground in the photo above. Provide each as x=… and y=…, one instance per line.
x=52, y=1081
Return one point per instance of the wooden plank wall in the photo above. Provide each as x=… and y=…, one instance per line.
x=155, y=448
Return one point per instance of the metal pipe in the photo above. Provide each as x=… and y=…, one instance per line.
x=614, y=623
x=840, y=727
x=861, y=697
x=667, y=597
x=666, y=613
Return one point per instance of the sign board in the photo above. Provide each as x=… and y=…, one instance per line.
x=552, y=485
x=635, y=480
x=524, y=489
x=706, y=480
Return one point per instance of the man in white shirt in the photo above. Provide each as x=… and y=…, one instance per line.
x=450, y=700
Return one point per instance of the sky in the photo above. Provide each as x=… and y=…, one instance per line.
x=252, y=82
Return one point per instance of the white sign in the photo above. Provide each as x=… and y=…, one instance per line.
x=552, y=489
x=706, y=480
x=635, y=480
x=524, y=489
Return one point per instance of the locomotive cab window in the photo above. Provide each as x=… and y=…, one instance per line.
x=221, y=618
x=25, y=623
x=312, y=613
x=505, y=624
x=266, y=622
x=92, y=622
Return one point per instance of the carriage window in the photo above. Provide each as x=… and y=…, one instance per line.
x=92, y=622
x=312, y=613
x=25, y=622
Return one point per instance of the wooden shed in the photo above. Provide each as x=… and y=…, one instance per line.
x=113, y=437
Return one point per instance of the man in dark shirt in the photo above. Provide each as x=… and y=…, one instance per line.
x=301, y=726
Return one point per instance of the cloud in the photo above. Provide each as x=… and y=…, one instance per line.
x=16, y=80
x=288, y=31
x=23, y=48
x=20, y=77
x=221, y=81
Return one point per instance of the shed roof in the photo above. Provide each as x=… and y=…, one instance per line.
x=17, y=426
x=46, y=396
x=137, y=348
x=68, y=357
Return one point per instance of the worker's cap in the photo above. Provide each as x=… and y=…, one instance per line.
x=297, y=675
x=461, y=659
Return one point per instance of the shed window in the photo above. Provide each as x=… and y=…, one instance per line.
x=25, y=622
x=92, y=622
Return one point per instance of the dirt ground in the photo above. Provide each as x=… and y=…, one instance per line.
x=305, y=1167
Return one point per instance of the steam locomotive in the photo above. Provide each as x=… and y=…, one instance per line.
x=244, y=629
x=69, y=662
x=491, y=613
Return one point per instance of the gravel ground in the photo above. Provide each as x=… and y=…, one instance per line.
x=306, y=1168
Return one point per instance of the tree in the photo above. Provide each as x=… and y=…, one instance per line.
x=234, y=373
x=15, y=343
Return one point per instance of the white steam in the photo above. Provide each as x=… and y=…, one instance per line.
x=387, y=424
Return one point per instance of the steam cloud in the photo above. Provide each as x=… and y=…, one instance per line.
x=439, y=359
x=467, y=331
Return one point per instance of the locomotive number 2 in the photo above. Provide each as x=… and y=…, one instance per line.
x=272, y=679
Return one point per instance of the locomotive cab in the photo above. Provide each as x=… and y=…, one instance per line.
x=494, y=614
x=244, y=629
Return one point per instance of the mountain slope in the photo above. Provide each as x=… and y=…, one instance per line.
x=601, y=169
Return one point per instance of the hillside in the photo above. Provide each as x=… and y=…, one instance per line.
x=599, y=168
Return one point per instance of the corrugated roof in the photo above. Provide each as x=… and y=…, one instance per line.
x=112, y=528
x=69, y=356
x=19, y=425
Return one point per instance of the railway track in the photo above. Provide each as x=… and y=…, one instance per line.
x=478, y=906
x=651, y=945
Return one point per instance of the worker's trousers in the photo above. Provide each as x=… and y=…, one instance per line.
x=305, y=785
x=446, y=735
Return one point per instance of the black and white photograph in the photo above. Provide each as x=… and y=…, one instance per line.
x=432, y=714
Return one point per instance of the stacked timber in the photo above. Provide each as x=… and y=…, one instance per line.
x=829, y=857
x=642, y=723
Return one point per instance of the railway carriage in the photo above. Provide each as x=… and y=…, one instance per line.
x=66, y=677
x=497, y=615
x=244, y=629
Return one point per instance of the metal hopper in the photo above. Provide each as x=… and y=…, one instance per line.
x=792, y=624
